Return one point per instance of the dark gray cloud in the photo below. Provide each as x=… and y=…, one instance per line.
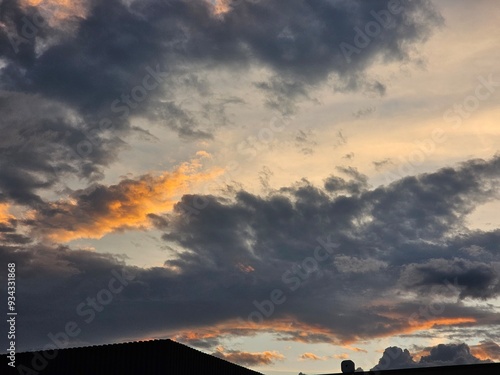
x=480, y=280
x=395, y=358
x=298, y=40
x=450, y=354
x=357, y=184
x=83, y=76
x=330, y=253
x=45, y=143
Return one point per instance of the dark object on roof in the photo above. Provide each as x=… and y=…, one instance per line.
x=480, y=369
x=347, y=366
x=156, y=357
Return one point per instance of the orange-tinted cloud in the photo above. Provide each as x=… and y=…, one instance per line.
x=316, y=334
x=415, y=326
x=58, y=10
x=249, y=358
x=433, y=323
x=196, y=335
x=245, y=268
x=286, y=328
x=354, y=349
x=486, y=350
x=99, y=210
x=341, y=356
x=220, y=6
x=290, y=329
x=312, y=357
x=5, y=216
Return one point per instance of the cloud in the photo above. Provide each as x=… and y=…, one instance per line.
x=248, y=358
x=304, y=143
x=130, y=204
x=180, y=31
x=355, y=185
x=9, y=228
x=448, y=354
x=311, y=356
x=5, y=216
x=354, y=349
x=221, y=7
x=341, y=356
x=57, y=11
x=382, y=164
x=200, y=340
x=485, y=350
x=237, y=249
x=40, y=147
x=348, y=264
x=88, y=67
x=240, y=248
x=439, y=355
x=481, y=280
x=395, y=358
x=364, y=112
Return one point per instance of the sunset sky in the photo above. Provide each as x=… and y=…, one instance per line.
x=281, y=183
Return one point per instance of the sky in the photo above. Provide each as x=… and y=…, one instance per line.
x=284, y=184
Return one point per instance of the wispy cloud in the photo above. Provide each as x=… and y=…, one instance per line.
x=312, y=357
x=249, y=358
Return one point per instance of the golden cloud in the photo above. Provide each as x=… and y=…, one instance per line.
x=311, y=356
x=486, y=350
x=99, y=210
x=56, y=11
x=433, y=323
x=290, y=329
x=354, y=349
x=220, y=7
x=249, y=358
x=5, y=216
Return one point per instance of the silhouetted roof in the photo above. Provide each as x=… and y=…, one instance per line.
x=137, y=358
x=480, y=369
